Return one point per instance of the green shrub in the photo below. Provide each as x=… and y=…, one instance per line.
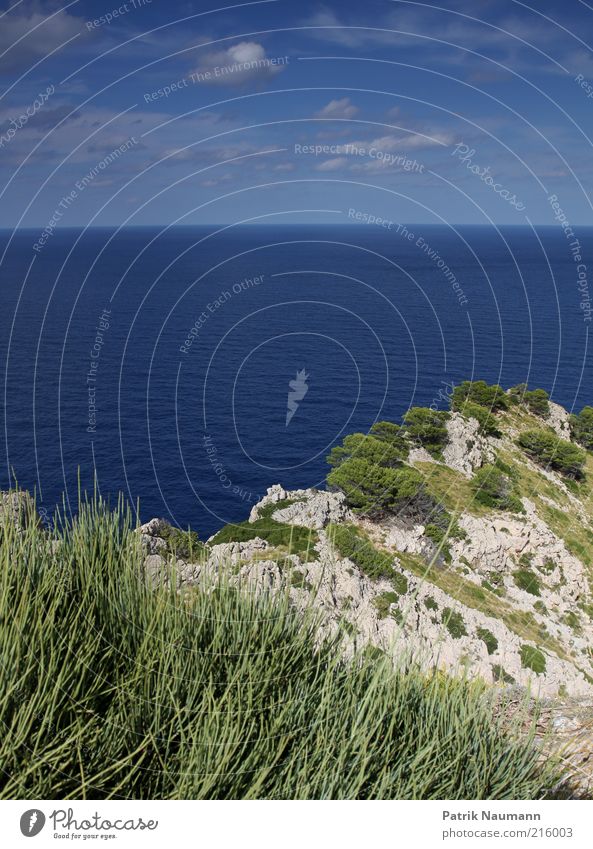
x=375, y=490
x=114, y=688
x=185, y=545
x=435, y=533
x=383, y=603
x=527, y=581
x=538, y=402
x=581, y=426
x=548, y=449
x=573, y=621
x=494, y=489
x=363, y=447
x=501, y=675
x=495, y=578
x=438, y=535
x=516, y=393
x=492, y=396
x=427, y=428
x=400, y=583
x=295, y=538
x=392, y=434
x=487, y=421
x=507, y=468
x=488, y=638
x=356, y=546
x=454, y=623
x=430, y=603
x=532, y=658
x=540, y=607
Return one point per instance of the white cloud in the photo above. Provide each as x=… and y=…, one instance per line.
x=216, y=181
x=332, y=164
x=444, y=35
x=29, y=33
x=238, y=65
x=342, y=108
x=410, y=141
x=327, y=26
x=393, y=114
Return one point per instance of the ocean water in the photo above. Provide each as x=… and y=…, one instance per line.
x=161, y=362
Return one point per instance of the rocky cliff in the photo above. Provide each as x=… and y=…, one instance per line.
x=506, y=596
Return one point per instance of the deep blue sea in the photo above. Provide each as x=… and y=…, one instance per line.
x=99, y=376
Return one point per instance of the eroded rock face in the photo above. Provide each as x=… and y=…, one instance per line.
x=466, y=449
x=399, y=534
x=234, y=552
x=150, y=537
x=558, y=419
x=311, y=508
x=419, y=455
x=510, y=602
x=497, y=543
x=479, y=644
x=419, y=617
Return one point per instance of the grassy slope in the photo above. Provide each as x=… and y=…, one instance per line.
x=454, y=491
x=112, y=688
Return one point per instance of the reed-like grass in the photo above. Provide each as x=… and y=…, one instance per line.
x=112, y=688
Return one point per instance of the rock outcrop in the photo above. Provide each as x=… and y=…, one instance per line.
x=507, y=598
x=309, y=508
x=558, y=420
x=466, y=449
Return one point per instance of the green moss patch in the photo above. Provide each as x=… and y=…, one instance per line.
x=383, y=603
x=293, y=539
x=488, y=638
x=454, y=623
x=353, y=543
x=532, y=658
x=527, y=581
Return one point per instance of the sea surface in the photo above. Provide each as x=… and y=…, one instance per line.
x=160, y=362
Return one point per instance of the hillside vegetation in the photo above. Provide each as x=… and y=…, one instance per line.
x=485, y=510
x=118, y=686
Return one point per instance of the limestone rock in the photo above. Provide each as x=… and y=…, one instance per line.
x=311, y=508
x=150, y=536
x=510, y=603
x=233, y=552
x=419, y=455
x=558, y=419
x=466, y=449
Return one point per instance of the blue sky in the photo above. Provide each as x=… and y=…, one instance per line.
x=164, y=112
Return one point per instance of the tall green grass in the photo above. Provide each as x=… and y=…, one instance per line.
x=112, y=688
